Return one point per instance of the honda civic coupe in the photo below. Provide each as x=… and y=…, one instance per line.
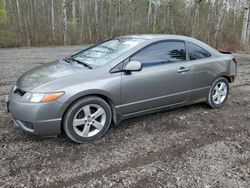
x=120, y=78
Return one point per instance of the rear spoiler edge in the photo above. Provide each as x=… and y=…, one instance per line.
x=223, y=52
x=235, y=60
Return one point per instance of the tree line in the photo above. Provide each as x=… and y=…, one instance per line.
x=223, y=24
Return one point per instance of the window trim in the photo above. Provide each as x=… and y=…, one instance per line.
x=187, y=49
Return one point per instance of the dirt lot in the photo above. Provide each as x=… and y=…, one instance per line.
x=192, y=146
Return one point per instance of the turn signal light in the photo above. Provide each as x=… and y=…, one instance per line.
x=51, y=97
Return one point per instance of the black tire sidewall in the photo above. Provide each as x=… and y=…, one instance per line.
x=68, y=123
x=211, y=102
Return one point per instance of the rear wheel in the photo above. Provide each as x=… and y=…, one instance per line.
x=218, y=93
x=87, y=119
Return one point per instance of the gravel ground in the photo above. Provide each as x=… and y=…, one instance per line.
x=193, y=146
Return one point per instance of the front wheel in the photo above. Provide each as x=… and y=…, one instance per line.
x=87, y=119
x=218, y=93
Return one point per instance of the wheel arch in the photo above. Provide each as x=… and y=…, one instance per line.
x=230, y=79
x=115, y=116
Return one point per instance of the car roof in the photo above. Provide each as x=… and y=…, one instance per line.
x=157, y=37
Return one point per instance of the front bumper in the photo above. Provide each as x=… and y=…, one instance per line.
x=36, y=118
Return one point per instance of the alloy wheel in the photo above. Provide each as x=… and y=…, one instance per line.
x=219, y=93
x=89, y=120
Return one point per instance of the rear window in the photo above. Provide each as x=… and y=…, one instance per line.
x=196, y=52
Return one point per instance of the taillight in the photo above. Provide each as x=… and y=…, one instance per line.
x=236, y=61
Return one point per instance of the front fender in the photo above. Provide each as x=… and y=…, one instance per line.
x=79, y=95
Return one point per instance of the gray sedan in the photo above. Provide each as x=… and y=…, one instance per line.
x=120, y=78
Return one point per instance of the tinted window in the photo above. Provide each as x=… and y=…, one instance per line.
x=196, y=52
x=163, y=52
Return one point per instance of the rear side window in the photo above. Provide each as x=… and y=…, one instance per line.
x=163, y=52
x=196, y=52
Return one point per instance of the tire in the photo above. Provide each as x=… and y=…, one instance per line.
x=87, y=119
x=218, y=93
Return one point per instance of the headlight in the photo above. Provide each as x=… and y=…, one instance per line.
x=42, y=97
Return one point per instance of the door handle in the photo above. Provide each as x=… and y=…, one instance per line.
x=183, y=69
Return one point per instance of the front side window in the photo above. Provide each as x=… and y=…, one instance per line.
x=196, y=52
x=107, y=51
x=163, y=52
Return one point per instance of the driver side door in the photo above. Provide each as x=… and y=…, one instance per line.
x=163, y=81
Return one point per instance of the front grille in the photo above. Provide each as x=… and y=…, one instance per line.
x=19, y=91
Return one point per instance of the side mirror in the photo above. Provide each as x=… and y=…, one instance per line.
x=133, y=66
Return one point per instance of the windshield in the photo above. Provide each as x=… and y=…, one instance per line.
x=107, y=51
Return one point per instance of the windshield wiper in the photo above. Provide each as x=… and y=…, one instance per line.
x=85, y=64
x=67, y=60
x=70, y=59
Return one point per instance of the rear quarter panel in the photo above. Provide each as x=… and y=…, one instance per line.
x=228, y=67
x=206, y=71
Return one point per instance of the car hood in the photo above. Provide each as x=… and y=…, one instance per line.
x=47, y=73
